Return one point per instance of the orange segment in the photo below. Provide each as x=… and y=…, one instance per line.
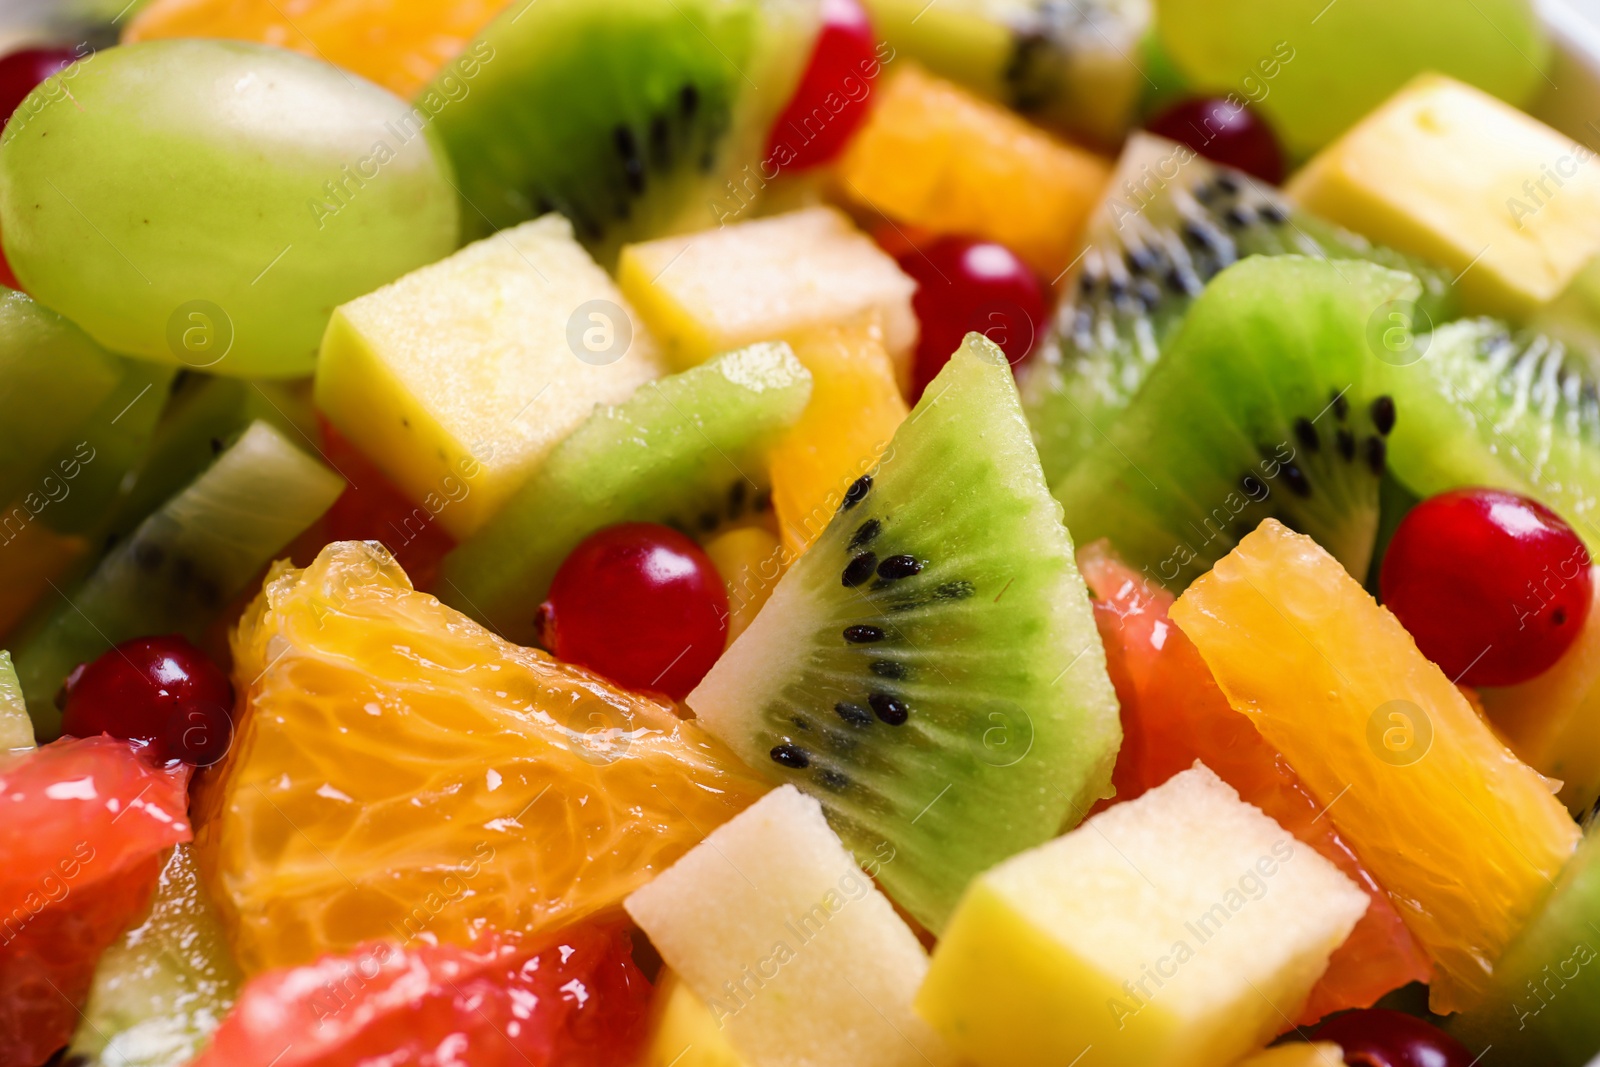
x=400, y=44
x=401, y=772
x=1464, y=836
x=933, y=155
x=855, y=408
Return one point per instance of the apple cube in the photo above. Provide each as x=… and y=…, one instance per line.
x=766, y=280
x=460, y=377
x=1448, y=172
x=801, y=961
x=1181, y=929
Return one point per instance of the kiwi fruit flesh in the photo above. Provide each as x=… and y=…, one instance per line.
x=929, y=669
x=1513, y=410
x=688, y=451
x=1170, y=221
x=1263, y=406
x=630, y=117
x=1069, y=65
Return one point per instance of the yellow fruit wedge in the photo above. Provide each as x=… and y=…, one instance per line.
x=751, y=561
x=1464, y=836
x=934, y=155
x=1297, y=1054
x=854, y=410
x=685, y=1033
x=1447, y=172
x=401, y=772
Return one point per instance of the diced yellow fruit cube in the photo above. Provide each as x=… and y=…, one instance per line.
x=936, y=156
x=766, y=280
x=1464, y=836
x=854, y=410
x=751, y=561
x=457, y=379
x=1298, y=1054
x=1448, y=172
x=685, y=1033
x=801, y=961
x=1181, y=928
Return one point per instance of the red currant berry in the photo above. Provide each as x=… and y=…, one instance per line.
x=21, y=71
x=1230, y=133
x=641, y=604
x=966, y=285
x=1377, y=1037
x=841, y=71
x=159, y=691
x=1493, y=587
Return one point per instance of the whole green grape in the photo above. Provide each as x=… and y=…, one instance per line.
x=211, y=202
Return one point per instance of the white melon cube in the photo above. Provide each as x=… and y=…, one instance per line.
x=802, y=962
x=1181, y=929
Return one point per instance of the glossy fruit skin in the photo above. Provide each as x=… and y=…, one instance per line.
x=161, y=692
x=21, y=70
x=1377, y=1037
x=841, y=71
x=1493, y=586
x=642, y=605
x=82, y=827
x=1229, y=132
x=967, y=284
x=237, y=223
x=572, y=1000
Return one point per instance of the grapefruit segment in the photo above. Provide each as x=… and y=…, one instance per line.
x=1464, y=836
x=401, y=772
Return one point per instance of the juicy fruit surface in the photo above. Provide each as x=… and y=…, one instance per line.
x=1464, y=837
x=847, y=684
x=1440, y=170
x=644, y=460
x=1182, y=928
x=574, y=999
x=1315, y=84
x=1173, y=714
x=932, y=155
x=392, y=756
x=1494, y=587
x=165, y=984
x=460, y=377
x=84, y=823
x=159, y=691
x=214, y=286
x=775, y=888
x=1277, y=414
x=829, y=104
x=399, y=44
x=640, y=604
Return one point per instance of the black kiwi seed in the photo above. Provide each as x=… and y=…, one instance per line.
x=709, y=521
x=1238, y=217
x=762, y=501
x=1141, y=260
x=892, y=711
x=857, y=492
x=1341, y=406
x=1275, y=214
x=688, y=100
x=1347, y=443
x=736, y=499
x=865, y=533
x=862, y=634
x=660, y=142
x=1227, y=183
x=1296, y=479
x=888, y=668
x=792, y=756
x=896, y=567
x=1086, y=283
x=854, y=714
x=1383, y=414
x=859, y=570
x=1147, y=291
x=1307, y=434
x=1376, y=453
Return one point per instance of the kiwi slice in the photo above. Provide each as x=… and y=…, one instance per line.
x=633, y=118
x=688, y=451
x=929, y=669
x=1069, y=65
x=1487, y=406
x=1169, y=222
x=1262, y=407
x=183, y=564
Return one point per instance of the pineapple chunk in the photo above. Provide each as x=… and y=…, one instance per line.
x=802, y=962
x=1447, y=172
x=1181, y=928
x=457, y=379
x=685, y=1033
x=766, y=280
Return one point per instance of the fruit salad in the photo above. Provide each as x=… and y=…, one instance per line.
x=799, y=533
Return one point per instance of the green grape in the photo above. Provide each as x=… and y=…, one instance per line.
x=209, y=203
